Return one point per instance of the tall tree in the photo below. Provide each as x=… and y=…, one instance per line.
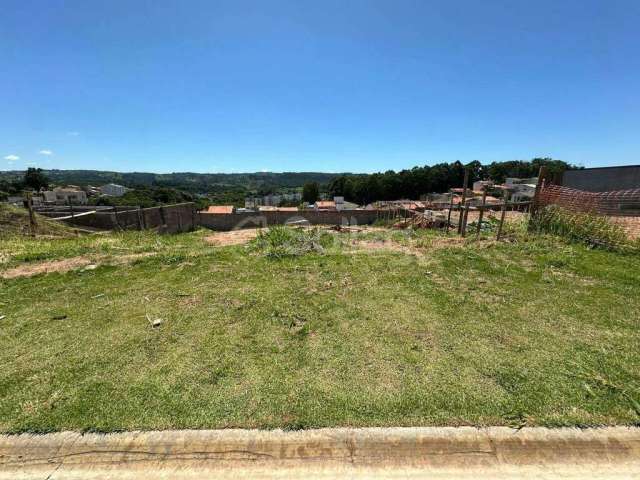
x=34, y=178
x=310, y=192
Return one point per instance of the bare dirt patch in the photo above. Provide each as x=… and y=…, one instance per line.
x=68, y=264
x=372, y=245
x=32, y=269
x=235, y=237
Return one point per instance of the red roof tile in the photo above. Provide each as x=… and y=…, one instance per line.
x=220, y=209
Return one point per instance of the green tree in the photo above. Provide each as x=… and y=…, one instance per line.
x=34, y=178
x=310, y=192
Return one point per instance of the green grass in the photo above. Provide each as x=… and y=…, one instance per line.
x=15, y=222
x=532, y=332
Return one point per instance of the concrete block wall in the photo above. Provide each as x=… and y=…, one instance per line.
x=166, y=219
x=235, y=221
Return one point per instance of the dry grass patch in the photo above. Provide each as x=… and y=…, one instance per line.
x=235, y=237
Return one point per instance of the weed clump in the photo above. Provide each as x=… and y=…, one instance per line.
x=280, y=242
x=582, y=227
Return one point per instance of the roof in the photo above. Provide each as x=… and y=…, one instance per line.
x=412, y=205
x=220, y=209
x=287, y=209
x=325, y=204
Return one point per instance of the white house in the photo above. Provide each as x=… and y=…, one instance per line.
x=113, y=190
x=522, y=189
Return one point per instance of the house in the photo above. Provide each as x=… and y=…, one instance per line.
x=220, y=209
x=65, y=196
x=482, y=185
x=325, y=205
x=113, y=190
x=521, y=189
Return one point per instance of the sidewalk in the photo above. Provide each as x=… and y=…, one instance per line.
x=466, y=452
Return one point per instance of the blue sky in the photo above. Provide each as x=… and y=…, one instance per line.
x=236, y=86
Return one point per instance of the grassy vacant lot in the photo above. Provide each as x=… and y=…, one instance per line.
x=381, y=329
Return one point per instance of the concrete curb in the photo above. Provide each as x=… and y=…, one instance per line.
x=465, y=452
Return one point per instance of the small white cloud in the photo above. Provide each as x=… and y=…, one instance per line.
x=45, y=152
x=73, y=134
x=12, y=158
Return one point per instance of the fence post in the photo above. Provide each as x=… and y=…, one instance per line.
x=464, y=197
x=465, y=216
x=502, y=214
x=481, y=214
x=533, y=208
x=32, y=217
x=449, y=216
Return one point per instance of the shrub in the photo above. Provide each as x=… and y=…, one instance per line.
x=280, y=241
x=582, y=227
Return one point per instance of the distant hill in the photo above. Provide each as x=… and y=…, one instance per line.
x=191, y=182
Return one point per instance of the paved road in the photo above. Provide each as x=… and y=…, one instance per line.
x=373, y=453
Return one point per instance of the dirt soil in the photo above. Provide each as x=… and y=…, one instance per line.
x=67, y=264
x=373, y=245
x=235, y=237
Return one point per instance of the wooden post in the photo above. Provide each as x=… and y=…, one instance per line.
x=502, y=214
x=542, y=175
x=464, y=197
x=533, y=207
x=465, y=216
x=450, y=207
x=481, y=214
x=32, y=217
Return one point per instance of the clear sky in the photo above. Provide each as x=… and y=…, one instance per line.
x=322, y=85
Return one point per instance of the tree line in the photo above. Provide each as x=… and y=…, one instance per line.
x=439, y=178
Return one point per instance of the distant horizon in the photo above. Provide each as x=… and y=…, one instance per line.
x=267, y=172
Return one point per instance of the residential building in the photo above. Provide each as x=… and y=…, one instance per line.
x=65, y=196
x=482, y=185
x=520, y=189
x=113, y=190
